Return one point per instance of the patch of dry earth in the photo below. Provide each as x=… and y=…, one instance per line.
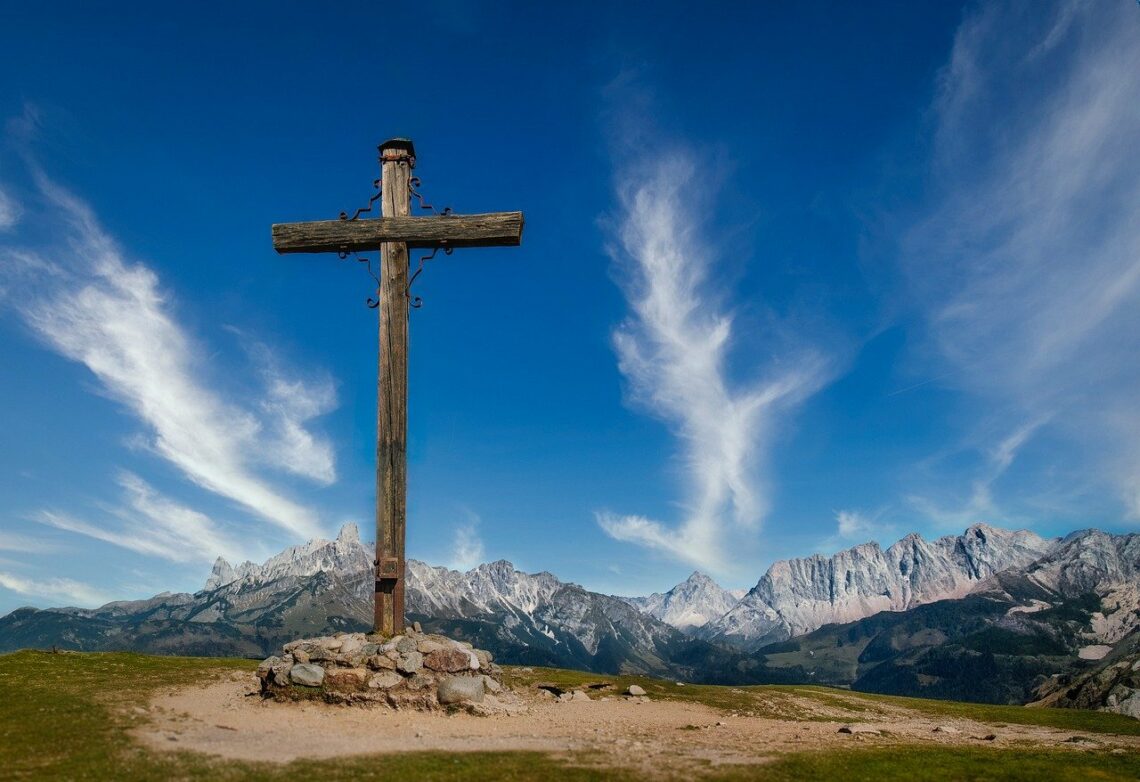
x=227, y=718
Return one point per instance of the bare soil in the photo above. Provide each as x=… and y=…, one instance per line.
x=227, y=718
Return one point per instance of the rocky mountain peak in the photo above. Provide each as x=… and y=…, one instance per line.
x=689, y=605
x=797, y=596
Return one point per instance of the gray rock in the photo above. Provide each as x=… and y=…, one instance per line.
x=267, y=665
x=307, y=675
x=405, y=644
x=427, y=646
x=385, y=680
x=579, y=695
x=420, y=681
x=458, y=689
x=859, y=729
x=491, y=685
x=417, y=627
x=410, y=662
x=635, y=689
x=380, y=662
x=946, y=729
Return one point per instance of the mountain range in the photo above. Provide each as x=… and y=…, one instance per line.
x=992, y=614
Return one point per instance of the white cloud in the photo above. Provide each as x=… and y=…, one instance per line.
x=10, y=211
x=852, y=524
x=21, y=544
x=150, y=523
x=113, y=317
x=55, y=589
x=467, y=547
x=289, y=404
x=979, y=504
x=673, y=350
x=1027, y=266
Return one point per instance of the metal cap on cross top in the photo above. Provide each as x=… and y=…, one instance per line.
x=399, y=144
x=392, y=234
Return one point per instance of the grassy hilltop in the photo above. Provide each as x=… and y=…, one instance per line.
x=67, y=716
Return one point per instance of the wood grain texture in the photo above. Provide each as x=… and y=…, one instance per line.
x=496, y=229
x=392, y=395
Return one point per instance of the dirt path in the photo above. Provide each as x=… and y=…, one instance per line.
x=227, y=718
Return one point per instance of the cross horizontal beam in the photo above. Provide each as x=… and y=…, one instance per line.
x=496, y=229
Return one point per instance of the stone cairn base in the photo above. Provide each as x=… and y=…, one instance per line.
x=414, y=670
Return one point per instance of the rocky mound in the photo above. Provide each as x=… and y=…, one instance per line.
x=414, y=670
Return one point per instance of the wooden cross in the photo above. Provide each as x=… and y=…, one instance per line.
x=392, y=234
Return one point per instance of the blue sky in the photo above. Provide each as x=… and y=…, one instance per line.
x=794, y=276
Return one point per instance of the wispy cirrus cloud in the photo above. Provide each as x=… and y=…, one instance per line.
x=10, y=211
x=57, y=590
x=467, y=549
x=112, y=316
x=1026, y=263
x=674, y=352
x=148, y=522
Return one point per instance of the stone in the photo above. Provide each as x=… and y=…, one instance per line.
x=385, y=680
x=381, y=662
x=945, y=729
x=420, y=681
x=417, y=627
x=460, y=689
x=300, y=655
x=369, y=649
x=317, y=652
x=346, y=678
x=351, y=646
x=447, y=660
x=307, y=675
x=427, y=646
x=410, y=662
x=485, y=658
x=579, y=695
x=265, y=669
x=473, y=661
x=404, y=645
x=635, y=690
x=491, y=685
x=859, y=729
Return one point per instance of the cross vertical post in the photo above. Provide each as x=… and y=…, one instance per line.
x=397, y=157
x=392, y=234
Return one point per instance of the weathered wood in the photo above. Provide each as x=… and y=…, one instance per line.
x=496, y=229
x=392, y=394
x=392, y=234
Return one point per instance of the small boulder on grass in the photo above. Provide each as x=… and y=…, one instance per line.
x=635, y=690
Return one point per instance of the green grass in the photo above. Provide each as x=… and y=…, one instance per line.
x=65, y=716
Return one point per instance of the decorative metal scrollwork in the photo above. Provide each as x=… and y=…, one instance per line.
x=415, y=302
x=371, y=202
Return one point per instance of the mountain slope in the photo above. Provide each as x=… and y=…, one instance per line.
x=799, y=595
x=692, y=604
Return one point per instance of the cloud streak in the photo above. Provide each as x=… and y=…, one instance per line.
x=467, y=546
x=1026, y=266
x=113, y=317
x=55, y=589
x=673, y=350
